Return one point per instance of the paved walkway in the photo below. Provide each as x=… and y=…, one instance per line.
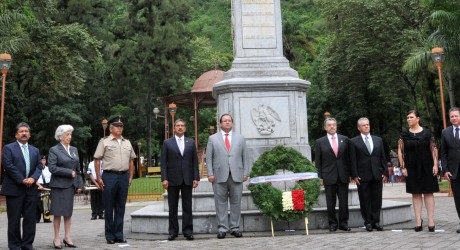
x=88, y=234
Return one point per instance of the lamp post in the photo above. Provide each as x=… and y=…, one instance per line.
x=139, y=167
x=437, y=54
x=172, y=111
x=156, y=111
x=5, y=63
x=104, y=124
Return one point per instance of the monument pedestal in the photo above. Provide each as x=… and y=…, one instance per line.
x=154, y=218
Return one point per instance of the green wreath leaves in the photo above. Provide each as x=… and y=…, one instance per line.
x=269, y=199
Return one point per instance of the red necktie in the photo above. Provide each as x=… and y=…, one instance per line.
x=227, y=142
x=334, y=146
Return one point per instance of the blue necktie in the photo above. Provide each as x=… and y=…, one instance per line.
x=26, y=158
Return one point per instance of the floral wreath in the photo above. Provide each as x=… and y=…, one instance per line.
x=287, y=206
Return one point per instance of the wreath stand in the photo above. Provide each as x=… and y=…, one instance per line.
x=306, y=226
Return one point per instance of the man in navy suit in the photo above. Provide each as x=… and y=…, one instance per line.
x=450, y=155
x=179, y=174
x=332, y=159
x=22, y=168
x=369, y=171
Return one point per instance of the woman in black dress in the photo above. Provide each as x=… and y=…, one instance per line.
x=418, y=155
x=64, y=165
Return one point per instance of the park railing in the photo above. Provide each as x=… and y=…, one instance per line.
x=146, y=189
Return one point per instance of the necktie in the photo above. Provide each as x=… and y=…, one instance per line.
x=181, y=146
x=26, y=158
x=227, y=142
x=456, y=135
x=335, y=147
x=368, y=145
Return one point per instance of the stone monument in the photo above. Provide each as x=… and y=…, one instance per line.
x=263, y=93
x=268, y=102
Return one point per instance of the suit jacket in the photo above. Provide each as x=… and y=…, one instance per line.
x=332, y=168
x=61, y=165
x=220, y=162
x=15, y=169
x=450, y=152
x=177, y=168
x=368, y=166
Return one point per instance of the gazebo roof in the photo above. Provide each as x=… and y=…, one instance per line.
x=202, y=90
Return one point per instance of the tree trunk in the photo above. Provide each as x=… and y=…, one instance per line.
x=450, y=87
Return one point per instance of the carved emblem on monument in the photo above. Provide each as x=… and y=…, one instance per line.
x=264, y=118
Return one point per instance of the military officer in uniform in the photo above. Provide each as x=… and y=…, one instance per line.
x=118, y=156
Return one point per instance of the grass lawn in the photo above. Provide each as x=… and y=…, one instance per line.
x=444, y=185
x=146, y=186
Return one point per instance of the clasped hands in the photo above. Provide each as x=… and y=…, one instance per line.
x=28, y=181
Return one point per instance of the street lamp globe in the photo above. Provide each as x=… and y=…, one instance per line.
x=5, y=61
x=438, y=55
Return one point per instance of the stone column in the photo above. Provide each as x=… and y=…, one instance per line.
x=263, y=93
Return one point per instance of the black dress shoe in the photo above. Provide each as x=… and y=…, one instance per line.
x=431, y=229
x=110, y=242
x=458, y=231
x=221, y=235
x=189, y=237
x=101, y=217
x=94, y=217
x=171, y=237
x=332, y=228
x=345, y=228
x=368, y=227
x=237, y=234
x=377, y=227
x=69, y=245
x=121, y=241
x=57, y=246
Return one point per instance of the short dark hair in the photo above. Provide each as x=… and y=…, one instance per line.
x=220, y=120
x=180, y=120
x=413, y=111
x=22, y=124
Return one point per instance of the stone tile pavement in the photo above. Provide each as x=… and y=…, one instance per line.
x=88, y=234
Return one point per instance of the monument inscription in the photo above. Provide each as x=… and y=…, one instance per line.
x=258, y=23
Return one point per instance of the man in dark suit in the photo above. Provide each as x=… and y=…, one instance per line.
x=179, y=174
x=227, y=163
x=450, y=155
x=332, y=159
x=22, y=168
x=369, y=171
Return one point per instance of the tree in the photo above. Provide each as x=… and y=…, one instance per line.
x=362, y=59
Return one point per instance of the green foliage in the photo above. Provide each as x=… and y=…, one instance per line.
x=269, y=199
x=360, y=64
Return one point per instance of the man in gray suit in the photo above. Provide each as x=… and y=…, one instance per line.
x=228, y=168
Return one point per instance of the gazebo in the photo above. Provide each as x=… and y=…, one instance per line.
x=200, y=97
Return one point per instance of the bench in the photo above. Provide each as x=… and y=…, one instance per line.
x=153, y=171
